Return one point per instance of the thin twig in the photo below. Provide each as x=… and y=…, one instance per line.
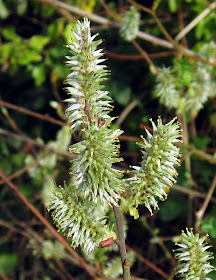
x=22, y=170
x=148, y=263
x=191, y=192
x=30, y=206
x=160, y=243
x=31, y=113
x=121, y=243
x=138, y=56
x=146, y=57
x=199, y=214
x=127, y=110
x=35, y=143
x=195, y=21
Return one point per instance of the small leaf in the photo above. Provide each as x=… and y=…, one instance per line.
x=39, y=74
x=8, y=263
x=3, y=10
x=38, y=42
x=134, y=212
x=28, y=56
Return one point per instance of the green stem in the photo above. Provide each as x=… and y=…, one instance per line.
x=121, y=243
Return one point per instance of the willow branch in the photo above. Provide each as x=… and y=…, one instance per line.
x=31, y=113
x=35, y=143
x=201, y=212
x=195, y=21
x=121, y=243
x=146, y=57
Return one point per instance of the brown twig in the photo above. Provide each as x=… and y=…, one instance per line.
x=127, y=110
x=31, y=113
x=35, y=143
x=146, y=57
x=199, y=214
x=88, y=269
x=22, y=170
x=121, y=243
x=195, y=21
x=148, y=263
x=138, y=56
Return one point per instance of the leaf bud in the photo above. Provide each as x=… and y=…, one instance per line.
x=107, y=243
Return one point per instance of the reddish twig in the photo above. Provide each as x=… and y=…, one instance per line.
x=146, y=57
x=137, y=56
x=31, y=113
x=148, y=263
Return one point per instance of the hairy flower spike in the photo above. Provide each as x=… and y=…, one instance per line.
x=130, y=24
x=157, y=171
x=88, y=101
x=193, y=257
x=75, y=220
x=93, y=174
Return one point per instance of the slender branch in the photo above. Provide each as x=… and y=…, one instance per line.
x=127, y=110
x=148, y=263
x=22, y=170
x=201, y=212
x=31, y=113
x=138, y=56
x=195, y=21
x=35, y=143
x=121, y=243
x=160, y=242
x=191, y=192
x=146, y=57
x=47, y=224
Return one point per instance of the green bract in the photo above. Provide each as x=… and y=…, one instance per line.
x=157, y=172
x=193, y=257
x=130, y=24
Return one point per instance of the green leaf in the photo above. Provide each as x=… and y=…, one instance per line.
x=9, y=34
x=3, y=10
x=173, y=6
x=38, y=42
x=28, y=56
x=121, y=94
x=39, y=74
x=56, y=28
x=68, y=34
x=8, y=263
x=209, y=226
x=21, y=6
x=170, y=210
x=5, y=51
x=134, y=212
x=202, y=142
